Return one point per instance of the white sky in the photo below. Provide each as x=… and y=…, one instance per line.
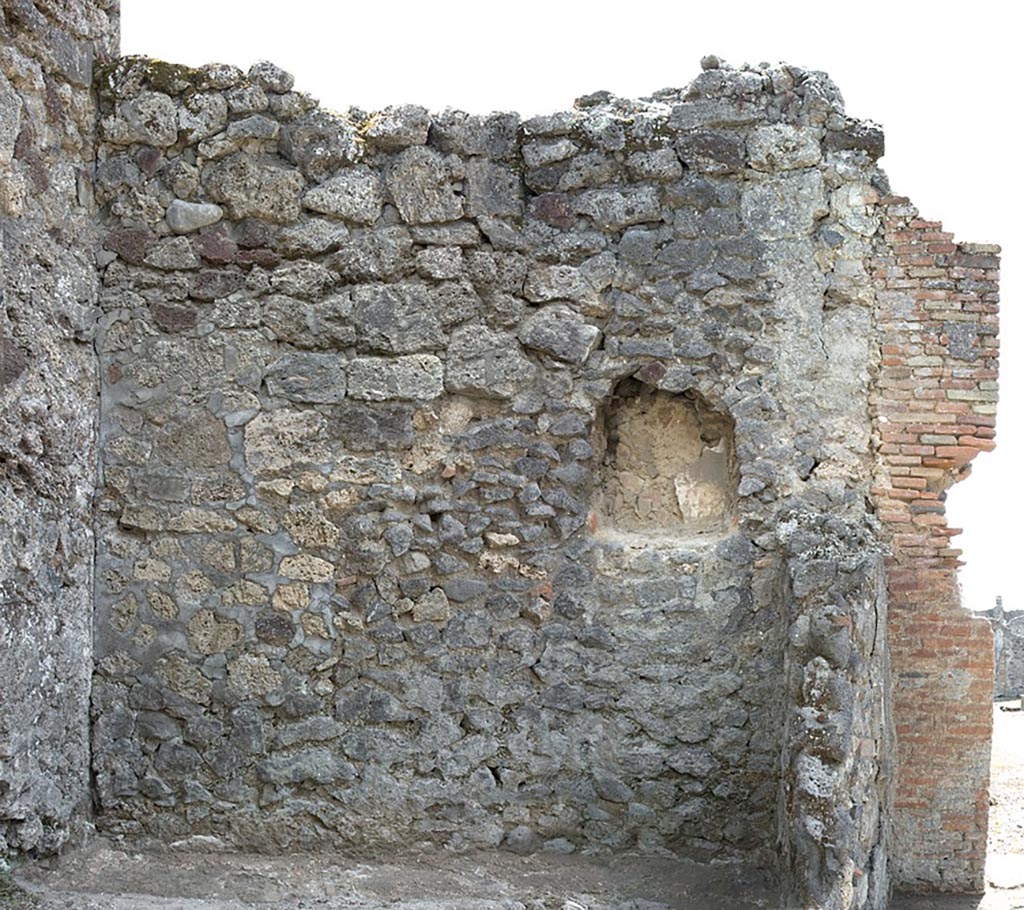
x=942, y=78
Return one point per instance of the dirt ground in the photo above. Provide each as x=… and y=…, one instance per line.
x=103, y=877
x=197, y=875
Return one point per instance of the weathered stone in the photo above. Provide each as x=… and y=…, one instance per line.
x=250, y=675
x=421, y=189
x=492, y=189
x=321, y=142
x=561, y=332
x=491, y=135
x=208, y=634
x=131, y=244
x=271, y=77
x=171, y=254
x=150, y=118
x=307, y=568
x=186, y=217
x=616, y=209
x=782, y=147
x=279, y=440
x=202, y=114
x=397, y=318
x=380, y=255
x=308, y=238
x=355, y=194
x=785, y=207
x=417, y=377
x=248, y=189
x=318, y=378
x=274, y=628
x=398, y=127
x=486, y=363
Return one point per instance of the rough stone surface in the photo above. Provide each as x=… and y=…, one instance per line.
x=468, y=483
x=48, y=283
x=186, y=217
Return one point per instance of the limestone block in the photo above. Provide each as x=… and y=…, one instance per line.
x=248, y=189
x=785, y=206
x=416, y=376
x=355, y=194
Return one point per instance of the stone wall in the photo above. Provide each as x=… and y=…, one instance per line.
x=835, y=831
x=1008, y=649
x=466, y=481
x=934, y=410
x=392, y=548
x=48, y=410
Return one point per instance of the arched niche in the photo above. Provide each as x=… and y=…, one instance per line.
x=668, y=465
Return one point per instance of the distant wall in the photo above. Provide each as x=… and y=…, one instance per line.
x=1008, y=652
x=48, y=410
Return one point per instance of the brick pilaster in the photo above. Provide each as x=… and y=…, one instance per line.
x=934, y=409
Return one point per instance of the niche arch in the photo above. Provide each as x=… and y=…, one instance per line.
x=667, y=465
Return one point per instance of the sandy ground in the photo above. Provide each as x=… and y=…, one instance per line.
x=1006, y=812
x=197, y=876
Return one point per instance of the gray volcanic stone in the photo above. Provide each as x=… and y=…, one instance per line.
x=320, y=143
x=316, y=766
x=486, y=363
x=492, y=189
x=399, y=318
x=185, y=217
x=398, y=127
x=421, y=189
x=150, y=118
x=561, y=332
x=271, y=77
x=249, y=189
x=10, y=120
x=782, y=147
x=616, y=209
x=308, y=238
x=317, y=378
x=788, y=206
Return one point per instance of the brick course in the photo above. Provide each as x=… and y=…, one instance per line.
x=934, y=406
